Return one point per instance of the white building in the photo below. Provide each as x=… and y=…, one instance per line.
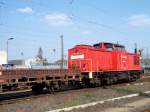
x=28, y=63
x=3, y=57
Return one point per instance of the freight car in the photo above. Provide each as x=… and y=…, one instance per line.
x=105, y=63
x=88, y=66
x=37, y=79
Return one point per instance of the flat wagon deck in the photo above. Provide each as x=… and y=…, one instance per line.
x=37, y=79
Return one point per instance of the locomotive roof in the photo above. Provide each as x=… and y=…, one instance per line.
x=116, y=45
x=108, y=44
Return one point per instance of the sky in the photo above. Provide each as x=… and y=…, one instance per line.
x=39, y=23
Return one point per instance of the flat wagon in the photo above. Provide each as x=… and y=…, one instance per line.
x=37, y=79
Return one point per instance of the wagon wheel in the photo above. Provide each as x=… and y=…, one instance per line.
x=37, y=88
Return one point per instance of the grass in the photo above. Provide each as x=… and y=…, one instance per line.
x=121, y=90
x=129, y=91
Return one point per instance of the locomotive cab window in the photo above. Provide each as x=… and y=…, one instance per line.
x=109, y=46
x=119, y=48
x=97, y=45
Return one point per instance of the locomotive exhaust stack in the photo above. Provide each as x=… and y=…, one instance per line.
x=135, y=50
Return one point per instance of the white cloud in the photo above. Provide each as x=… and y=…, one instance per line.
x=58, y=19
x=25, y=10
x=86, y=32
x=139, y=20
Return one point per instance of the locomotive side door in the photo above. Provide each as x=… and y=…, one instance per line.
x=85, y=65
x=123, y=61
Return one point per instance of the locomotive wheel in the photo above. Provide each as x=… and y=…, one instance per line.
x=114, y=80
x=108, y=82
x=93, y=85
x=111, y=81
x=98, y=83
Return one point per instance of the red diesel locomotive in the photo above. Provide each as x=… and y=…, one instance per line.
x=105, y=60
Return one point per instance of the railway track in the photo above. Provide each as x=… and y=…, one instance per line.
x=11, y=97
x=16, y=97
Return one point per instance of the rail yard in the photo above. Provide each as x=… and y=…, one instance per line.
x=92, y=56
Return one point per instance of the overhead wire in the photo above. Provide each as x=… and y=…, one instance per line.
x=95, y=23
